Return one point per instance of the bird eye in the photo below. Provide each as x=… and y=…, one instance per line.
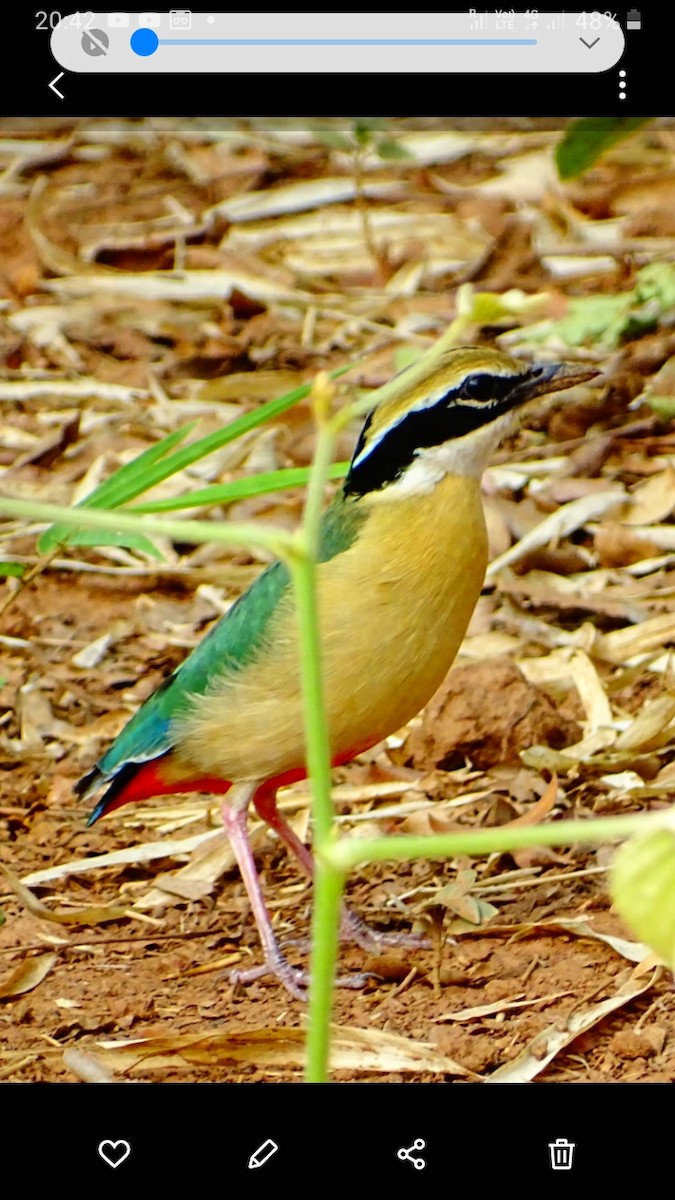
x=479, y=387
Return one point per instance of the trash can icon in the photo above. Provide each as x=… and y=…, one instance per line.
x=562, y=1154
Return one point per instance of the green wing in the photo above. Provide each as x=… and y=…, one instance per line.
x=233, y=642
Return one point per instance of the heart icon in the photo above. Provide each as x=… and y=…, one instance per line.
x=114, y=1153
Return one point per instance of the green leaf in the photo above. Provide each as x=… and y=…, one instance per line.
x=481, y=308
x=605, y=321
x=643, y=889
x=131, y=477
x=108, y=537
x=663, y=406
x=588, y=138
x=335, y=140
x=15, y=570
x=656, y=282
x=595, y=320
x=238, y=489
x=133, y=473
x=366, y=127
x=389, y=149
x=405, y=356
x=155, y=465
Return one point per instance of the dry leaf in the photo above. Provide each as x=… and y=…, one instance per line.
x=568, y=667
x=86, y=1066
x=456, y=898
x=646, y=730
x=186, y=286
x=281, y=1049
x=92, y=915
x=558, y=524
x=623, y=644
x=208, y=862
x=296, y=197
x=543, y=1048
x=652, y=501
x=489, y=1010
x=27, y=976
x=539, y=810
x=144, y=852
x=90, y=656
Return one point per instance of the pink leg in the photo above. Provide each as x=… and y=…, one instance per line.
x=294, y=980
x=352, y=927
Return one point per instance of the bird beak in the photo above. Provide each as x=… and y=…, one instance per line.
x=551, y=377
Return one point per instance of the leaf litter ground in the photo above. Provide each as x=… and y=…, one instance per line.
x=155, y=275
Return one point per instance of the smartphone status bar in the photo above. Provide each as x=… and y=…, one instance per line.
x=182, y=41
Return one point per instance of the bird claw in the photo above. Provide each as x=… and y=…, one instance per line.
x=354, y=929
x=293, y=979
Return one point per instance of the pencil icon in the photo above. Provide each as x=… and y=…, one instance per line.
x=261, y=1155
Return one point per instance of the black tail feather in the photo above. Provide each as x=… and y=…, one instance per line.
x=95, y=778
x=88, y=783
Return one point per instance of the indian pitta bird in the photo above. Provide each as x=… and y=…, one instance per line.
x=403, y=552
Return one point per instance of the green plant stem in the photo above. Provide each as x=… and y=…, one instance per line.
x=303, y=570
x=347, y=853
x=362, y=208
x=25, y=579
x=328, y=885
x=278, y=542
x=317, y=742
x=328, y=882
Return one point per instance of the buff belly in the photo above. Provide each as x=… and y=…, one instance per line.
x=393, y=610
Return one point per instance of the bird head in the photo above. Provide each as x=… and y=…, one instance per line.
x=450, y=420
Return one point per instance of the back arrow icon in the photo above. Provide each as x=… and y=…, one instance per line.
x=53, y=86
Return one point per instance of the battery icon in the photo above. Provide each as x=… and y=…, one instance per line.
x=634, y=19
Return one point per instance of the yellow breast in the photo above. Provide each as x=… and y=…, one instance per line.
x=393, y=610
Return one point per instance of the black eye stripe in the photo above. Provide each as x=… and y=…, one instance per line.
x=421, y=428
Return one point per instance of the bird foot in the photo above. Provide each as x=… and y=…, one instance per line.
x=354, y=929
x=293, y=979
